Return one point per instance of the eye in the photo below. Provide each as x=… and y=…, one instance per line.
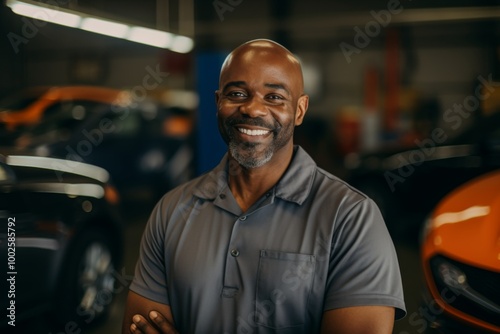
x=236, y=94
x=275, y=97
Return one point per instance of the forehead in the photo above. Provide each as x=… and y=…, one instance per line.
x=261, y=66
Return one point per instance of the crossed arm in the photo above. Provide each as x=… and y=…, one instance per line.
x=148, y=317
x=141, y=313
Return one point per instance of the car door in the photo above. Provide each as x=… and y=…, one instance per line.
x=26, y=252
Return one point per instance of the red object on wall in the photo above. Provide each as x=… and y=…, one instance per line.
x=392, y=81
x=347, y=130
x=371, y=89
x=176, y=63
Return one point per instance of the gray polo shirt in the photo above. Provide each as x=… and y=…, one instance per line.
x=311, y=244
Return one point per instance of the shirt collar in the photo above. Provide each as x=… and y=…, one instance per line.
x=294, y=186
x=213, y=183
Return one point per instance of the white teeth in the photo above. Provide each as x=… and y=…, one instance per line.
x=253, y=132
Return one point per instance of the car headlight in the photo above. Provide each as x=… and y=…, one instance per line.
x=452, y=276
x=474, y=289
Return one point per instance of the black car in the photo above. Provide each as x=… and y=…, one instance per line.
x=145, y=147
x=407, y=184
x=61, y=241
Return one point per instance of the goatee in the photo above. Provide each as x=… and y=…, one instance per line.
x=246, y=155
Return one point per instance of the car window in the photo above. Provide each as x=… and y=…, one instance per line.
x=485, y=128
x=67, y=108
x=19, y=101
x=144, y=118
x=125, y=122
x=61, y=120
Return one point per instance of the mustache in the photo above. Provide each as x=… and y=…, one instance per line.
x=230, y=122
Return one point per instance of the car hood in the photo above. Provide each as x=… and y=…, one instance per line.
x=466, y=224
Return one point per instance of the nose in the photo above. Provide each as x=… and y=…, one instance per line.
x=252, y=107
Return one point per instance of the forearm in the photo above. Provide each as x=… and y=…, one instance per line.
x=359, y=320
x=138, y=305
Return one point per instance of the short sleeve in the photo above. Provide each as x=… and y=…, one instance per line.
x=364, y=268
x=150, y=280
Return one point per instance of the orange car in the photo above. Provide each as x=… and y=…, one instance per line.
x=31, y=105
x=461, y=259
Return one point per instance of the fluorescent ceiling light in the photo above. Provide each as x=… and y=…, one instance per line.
x=104, y=27
x=161, y=39
x=46, y=14
x=65, y=17
x=182, y=44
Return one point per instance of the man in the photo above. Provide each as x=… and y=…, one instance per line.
x=266, y=242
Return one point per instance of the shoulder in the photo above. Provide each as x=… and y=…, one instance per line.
x=332, y=188
x=305, y=182
x=328, y=180
x=347, y=208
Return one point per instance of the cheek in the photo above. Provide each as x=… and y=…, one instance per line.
x=221, y=119
x=285, y=118
x=222, y=114
x=222, y=129
x=226, y=109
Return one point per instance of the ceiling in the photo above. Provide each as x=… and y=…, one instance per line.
x=221, y=24
x=311, y=18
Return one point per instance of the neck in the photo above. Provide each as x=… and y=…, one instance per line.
x=248, y=185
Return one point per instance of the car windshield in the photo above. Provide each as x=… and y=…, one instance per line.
x=22, y=100
x=65, y=118
x=486, y=128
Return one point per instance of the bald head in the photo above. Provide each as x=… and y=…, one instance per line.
x=263, y=52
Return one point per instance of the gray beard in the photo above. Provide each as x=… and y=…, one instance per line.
x=244, y=154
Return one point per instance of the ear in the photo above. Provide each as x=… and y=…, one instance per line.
x=302, y=105
x=217, y=98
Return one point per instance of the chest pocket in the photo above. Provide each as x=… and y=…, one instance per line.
x=284, y=284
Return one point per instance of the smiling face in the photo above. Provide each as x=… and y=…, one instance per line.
x=260, y=100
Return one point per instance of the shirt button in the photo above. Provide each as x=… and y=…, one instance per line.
x=235, y=252
x=243, y=218
x=222, y=196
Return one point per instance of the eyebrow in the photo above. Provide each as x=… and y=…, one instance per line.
x=277, y=86
x=234, y=84
x=268, y=85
